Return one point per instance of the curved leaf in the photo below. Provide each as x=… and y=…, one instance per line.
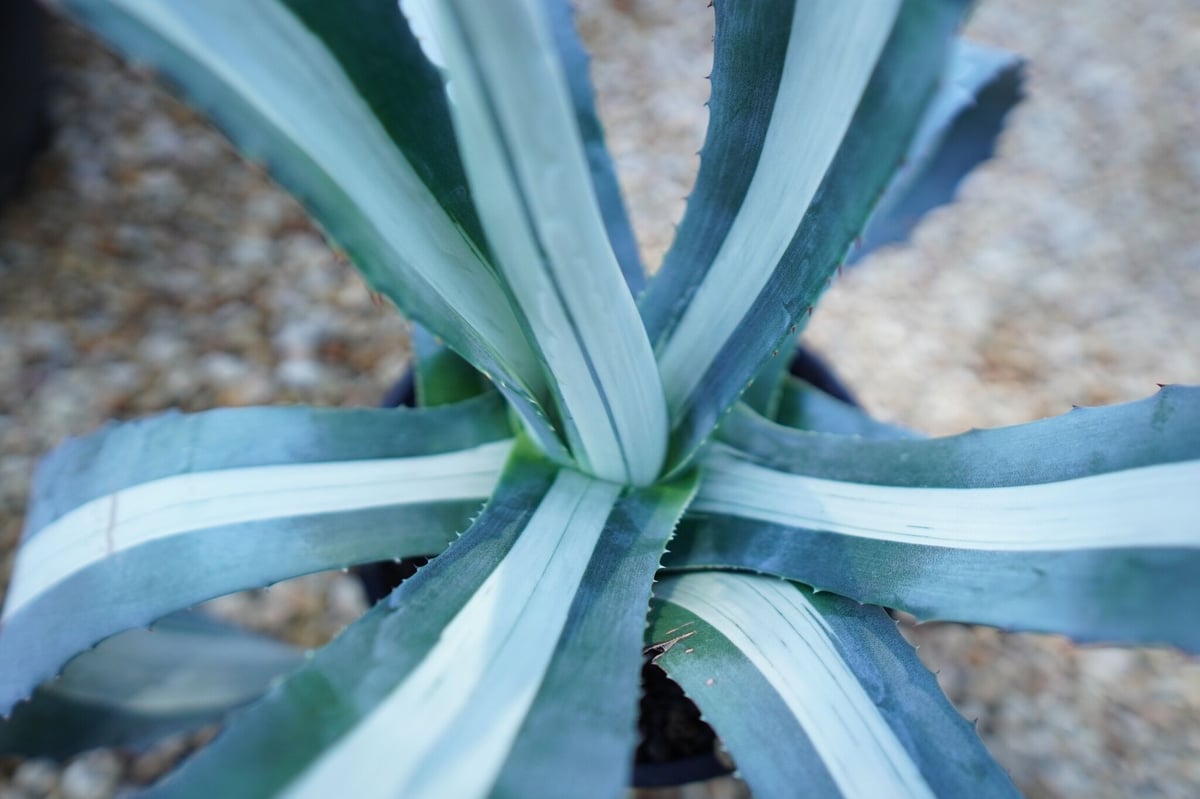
x=528, y=169
x=1083, y=524
x=575, y=64
x=842, y=706
x=144, y=519
x=582, y=725
x=340, y=104
x=474, y=660
x=141, y=685
x=981, y=85
x=441, y=375
x=792, y=166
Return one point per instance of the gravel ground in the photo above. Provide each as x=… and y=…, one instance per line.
x=148, y=267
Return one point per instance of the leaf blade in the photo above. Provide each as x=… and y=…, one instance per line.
x=341, y=105
x=708, y=365
x=1087, y=530
x=498, y=596
x=959, y=131
x=141, y=685
x=575, y=62
x=142, y=520
x=599, y=660
x=528, y=169
x=820, y=79
x=842, y=704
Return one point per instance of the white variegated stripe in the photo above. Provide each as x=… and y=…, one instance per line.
x=832, y=52
x=447, y=728
x=786, y=639
x=186, y=503
x=1152, y=506
x=270, y=60
x=531, y=183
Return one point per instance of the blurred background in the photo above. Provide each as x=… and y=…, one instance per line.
x=144, y=265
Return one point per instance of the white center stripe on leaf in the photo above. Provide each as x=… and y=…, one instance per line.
x=189, y=502
x=447, y=728
x=786, y=639
x=832, y=52
x=1152, y=506
x=530, y=181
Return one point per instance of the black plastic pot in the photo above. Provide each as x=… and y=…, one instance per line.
x=812, y=369
x=677, y=746
x=24, y=78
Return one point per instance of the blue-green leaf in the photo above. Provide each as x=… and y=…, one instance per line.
x=462, y=681
x=981, y=85
x=1083, y=524
x=793, y=164
x=442, y=376
x=582, y=726
x=340, y=104
x=575, y=65
x=141, y=520
x=815, y=695
x=527, y=165
x=141, y=685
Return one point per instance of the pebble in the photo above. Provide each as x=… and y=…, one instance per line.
x=93, y=775
x=267, y=210
x=48, y=341
x=161, y=139
x=163, y=188
x=346, y=598
x=162, y=348
x=299, y=338
x=253, y=388
x=36, y=777
x=159, y=759
x=300, y=373
x=252, y=250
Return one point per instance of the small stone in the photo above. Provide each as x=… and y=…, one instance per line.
x=268, y=209
x=120, y=375
x=160, y=139
x=222, y=368
x=252, y=250
x=305, y=252
x=93, y=775
x=1107, y=666
x=36, y=777
x=162, y=347
x=299, y=339
x=252, y=389
x=162, y=188
x=10, y=356
x=48, y=341
x=346, y=598
x=159, y=759
x=179, y=382
x=12, y=792
x=300, y=373
x=134, y=240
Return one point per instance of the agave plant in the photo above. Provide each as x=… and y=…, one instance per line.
x=619, y=452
